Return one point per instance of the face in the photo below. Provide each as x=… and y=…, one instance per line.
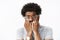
x=31, y=16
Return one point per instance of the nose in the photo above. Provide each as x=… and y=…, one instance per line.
x=31, y=20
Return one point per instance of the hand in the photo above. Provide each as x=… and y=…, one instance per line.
x=28, y=27
x=35, y=29
x=35, y=24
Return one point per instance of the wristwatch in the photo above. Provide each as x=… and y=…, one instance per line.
x=28, y=38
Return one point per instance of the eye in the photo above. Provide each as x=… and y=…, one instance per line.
x=27, y=17
x=34, y=16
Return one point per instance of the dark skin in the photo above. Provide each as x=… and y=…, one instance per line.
x=35, y=23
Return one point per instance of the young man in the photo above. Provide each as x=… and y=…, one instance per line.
x=32, y=29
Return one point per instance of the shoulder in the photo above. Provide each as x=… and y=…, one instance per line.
x=46, y=32
x=45, y=28
x=20, y=30
x=21, y=33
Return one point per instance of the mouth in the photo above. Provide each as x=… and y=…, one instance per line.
x=30, y=21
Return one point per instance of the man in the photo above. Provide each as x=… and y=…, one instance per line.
x=32, y=29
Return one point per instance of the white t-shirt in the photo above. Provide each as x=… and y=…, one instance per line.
x=45, y=33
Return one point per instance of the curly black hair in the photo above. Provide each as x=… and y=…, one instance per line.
x=31, y=7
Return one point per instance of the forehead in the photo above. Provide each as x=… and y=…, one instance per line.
x=30, y=13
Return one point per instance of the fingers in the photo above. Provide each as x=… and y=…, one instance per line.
x=35, y=23
x=28, y=22
x=32, y=24
x=37, y=18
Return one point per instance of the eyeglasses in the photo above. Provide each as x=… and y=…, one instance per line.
x=34, y=17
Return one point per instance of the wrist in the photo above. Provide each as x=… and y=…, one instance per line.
x=29, y=37
x=29, y=33
x=36, y=32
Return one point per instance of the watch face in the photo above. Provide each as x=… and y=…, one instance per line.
x=28, y=38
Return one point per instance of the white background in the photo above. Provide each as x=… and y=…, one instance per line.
x=11, y=19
